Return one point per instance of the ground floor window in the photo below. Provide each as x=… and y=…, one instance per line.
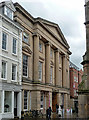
x=0, y=101
x=42, y=99
x=7, y=101
x=25, y=99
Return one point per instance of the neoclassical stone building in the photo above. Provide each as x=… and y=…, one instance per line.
x=45, y=63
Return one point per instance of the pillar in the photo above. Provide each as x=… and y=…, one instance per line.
x=64, y=71
x=35, y=100
x=2, y=101
x=19, y=104
x=47, y=63
x=36, y=58
x=12, y=102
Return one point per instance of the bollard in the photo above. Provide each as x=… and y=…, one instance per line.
x=22, y=115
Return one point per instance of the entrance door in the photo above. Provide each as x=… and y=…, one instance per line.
x=15, y=104
x=54, y=101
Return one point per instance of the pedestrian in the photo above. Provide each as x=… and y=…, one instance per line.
x=57, y=108
x=59, y=111
x=48, y=113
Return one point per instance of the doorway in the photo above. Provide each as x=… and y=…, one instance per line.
x=54, y=101
x=15, y=104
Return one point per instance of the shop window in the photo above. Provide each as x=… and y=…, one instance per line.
x=25, y=100
x=7, y=101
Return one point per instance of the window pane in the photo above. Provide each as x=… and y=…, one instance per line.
x=25, y=65
x=51, y=73
x=3, y=75
x=25, y=99
x=25, y=37
x=40, y=47
x=14, y=46
x=4, y=41
x=13, y=72
x=8, y=101
x=40, y=70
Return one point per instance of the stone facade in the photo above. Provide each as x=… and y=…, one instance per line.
x=47, y=51
x=10, y=62
x=84, y=86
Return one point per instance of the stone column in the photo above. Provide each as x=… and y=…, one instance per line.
x=35, y=100
x=47, y=63
x=12, y=102
x=59, y=99
x=64, y=71
x=65, y=101
x=22, y=100
x=2, y=101
x=36, y=58
x=57, y=77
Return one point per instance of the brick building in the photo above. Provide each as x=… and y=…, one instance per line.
x=75, y=80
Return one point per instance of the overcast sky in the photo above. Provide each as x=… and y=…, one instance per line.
x=69, y=15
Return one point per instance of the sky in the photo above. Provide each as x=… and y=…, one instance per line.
x=69, y=15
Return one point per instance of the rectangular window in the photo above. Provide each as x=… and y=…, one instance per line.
x=40, y=47
x=8, y=12
x=25, y=65
x=40, y=71
x=51, y=53
x=41, y=99
x=25, y=37
x=25, y=100
x=4, y=41
x=14, y=72
x=51, y=74
x=7, y=101
x=14, y=45
x=3, y=75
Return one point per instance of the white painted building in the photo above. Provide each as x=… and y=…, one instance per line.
x=10, y=62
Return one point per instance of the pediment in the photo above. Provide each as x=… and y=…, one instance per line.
x=10, y=5
x=27, y=49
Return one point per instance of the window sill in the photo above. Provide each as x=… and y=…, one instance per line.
x=14, y=54
x=3, y=78
x=14, y=81
x=4, y=50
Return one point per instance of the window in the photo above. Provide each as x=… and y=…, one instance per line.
x=14, y=72
x=41, y=99
x=40, y=47
x=25, y=100
x=25, y=65
x=51, y=53
x=51, y=74
x=25, y=37
x=8, y=12
x=7, y=101
x=3, y=75
x=14, y=46
x=4, y=41
x=40, y=71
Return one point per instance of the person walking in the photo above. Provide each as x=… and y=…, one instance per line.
x=48, y=112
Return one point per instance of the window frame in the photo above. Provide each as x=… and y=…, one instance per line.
x=6, y=10
x=27, y=100
x=3, y=32
x=40, y=70
x=5, y=71
x=15, y=72
x=51, y=74
x=27, y=66
x=40, y=48
x=27, y=37
x=14, y=46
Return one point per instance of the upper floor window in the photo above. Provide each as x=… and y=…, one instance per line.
x=14, y=45
x=40, y=46
x=8, y=12
x=14, y=72
x=25, y=65
x=40, y=71
x=25, y=37
x=51, y=74
x=51, y=53
x=4, y=41
x=3, y=75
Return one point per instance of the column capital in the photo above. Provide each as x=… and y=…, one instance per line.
x=58, y=50
x=36, y=34
x=48, y=43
